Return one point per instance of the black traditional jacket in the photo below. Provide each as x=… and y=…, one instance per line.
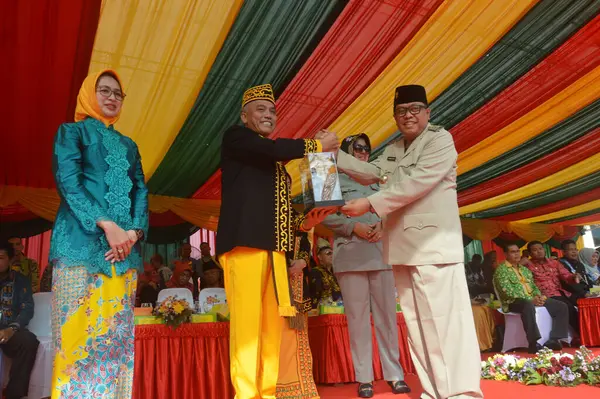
x=301, y=294
x=256, y=209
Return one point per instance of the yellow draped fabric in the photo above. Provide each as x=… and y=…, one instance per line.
x=483, y=230
x=564, y=212
x=574, y=172
x=561, y=106
x=205, y=214
x=163, y=50
x=456, y=35
x=44, y=203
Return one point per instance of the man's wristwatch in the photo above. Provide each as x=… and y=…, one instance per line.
x=139, y=234
x=14, y=328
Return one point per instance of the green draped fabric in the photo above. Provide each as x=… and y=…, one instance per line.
x=27, y=228
x=551, y=140
x=554, y=244
x=474, y=247
x=571, y=189
x=545, y=27
x=267, y=43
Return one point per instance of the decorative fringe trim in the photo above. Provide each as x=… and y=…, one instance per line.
x=297, y=322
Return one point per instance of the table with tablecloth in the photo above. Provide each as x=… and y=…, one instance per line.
x=191, y=361
x=330, y=346
x=589, y=321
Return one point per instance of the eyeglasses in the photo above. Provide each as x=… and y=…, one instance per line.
x=361, y=148
x=107, y=91
x=413, y=109
x=328, y=253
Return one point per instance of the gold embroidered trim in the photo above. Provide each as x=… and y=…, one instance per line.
x=283, y=210
x=310, y=145
x=262, y=92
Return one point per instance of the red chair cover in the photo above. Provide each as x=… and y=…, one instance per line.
x=589, y=321
x=330, y=346
x=191, y=361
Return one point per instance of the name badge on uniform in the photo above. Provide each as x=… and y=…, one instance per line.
x=391, y=159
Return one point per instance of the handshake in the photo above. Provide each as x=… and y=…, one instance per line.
x=329, y=141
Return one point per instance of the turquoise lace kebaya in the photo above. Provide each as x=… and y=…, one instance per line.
x=99, y=176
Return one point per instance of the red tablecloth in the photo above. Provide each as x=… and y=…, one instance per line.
x=191, y=361
x=589, y=321
x=330, y=346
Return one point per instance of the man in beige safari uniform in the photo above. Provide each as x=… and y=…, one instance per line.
x=422, y=238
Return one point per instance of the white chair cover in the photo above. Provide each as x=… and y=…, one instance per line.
x=181, y=293
x=209, y=297
x=514, y=333
x=40, y=383
x=41, y=323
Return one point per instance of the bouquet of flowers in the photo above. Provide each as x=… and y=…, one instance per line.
x=173, y=311
x=546, y=367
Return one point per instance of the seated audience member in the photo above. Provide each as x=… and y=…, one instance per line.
x=324, y=284
x=519, y=294
x=548, y=274
x=148, y=285
x=206, y=262
x=589, y=258
x=22, y=264
x=474, y=273
x=571, y=262
x=213, y=276
x=164, y=272
x=181, y=276
x=185, y=255
x=16, y=342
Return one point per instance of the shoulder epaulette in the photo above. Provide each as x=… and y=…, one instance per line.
x=436, y=128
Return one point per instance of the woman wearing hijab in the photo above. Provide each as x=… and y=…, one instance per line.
x=181, y=276
x=367, y=283
x=148, y=285
x=102, y=215
x=589, y=258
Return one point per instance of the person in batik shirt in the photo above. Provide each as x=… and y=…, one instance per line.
x=519, y=294
x=549, y=275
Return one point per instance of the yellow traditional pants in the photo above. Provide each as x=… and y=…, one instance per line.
x=255, y=323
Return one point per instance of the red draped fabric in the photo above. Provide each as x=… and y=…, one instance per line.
x=330, y=347
x=189, y=362
x=46, y=48
x=37, y=248
x=589, y=321
x=554, y=206
x=572, y=60
x=584, y=147
x=15, y=213
x=489, y=245
x=360, y=44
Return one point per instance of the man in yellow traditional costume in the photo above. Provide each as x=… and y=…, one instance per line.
x=256, y=229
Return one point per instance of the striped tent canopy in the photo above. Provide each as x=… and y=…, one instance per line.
x=516, y=82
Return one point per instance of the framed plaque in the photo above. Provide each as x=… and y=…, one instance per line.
x=320, y=181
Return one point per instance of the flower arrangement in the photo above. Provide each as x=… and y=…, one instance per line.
x=547, y=367
x=173, y=311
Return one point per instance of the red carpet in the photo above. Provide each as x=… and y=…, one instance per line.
x=491, y=389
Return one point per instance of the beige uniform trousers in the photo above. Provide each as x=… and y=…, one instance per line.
x=441, y=331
